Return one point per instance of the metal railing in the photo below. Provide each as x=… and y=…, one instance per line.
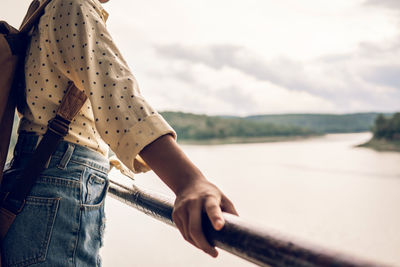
x=238, y=237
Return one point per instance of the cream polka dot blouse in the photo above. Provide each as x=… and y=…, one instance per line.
x=71, y=43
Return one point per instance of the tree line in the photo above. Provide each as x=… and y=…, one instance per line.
x=387, y=127
x=201, y=127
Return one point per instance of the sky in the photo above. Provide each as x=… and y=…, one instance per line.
x=245, y=57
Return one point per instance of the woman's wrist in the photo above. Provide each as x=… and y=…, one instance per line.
x=170, y=163
x=188, y=182
x=194, y=194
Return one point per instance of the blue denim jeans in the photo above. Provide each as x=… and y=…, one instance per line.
x=62, y=222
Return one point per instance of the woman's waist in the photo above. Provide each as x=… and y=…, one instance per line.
x=84, y=136
x=65, y=152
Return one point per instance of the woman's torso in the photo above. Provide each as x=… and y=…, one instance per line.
x=45, y=87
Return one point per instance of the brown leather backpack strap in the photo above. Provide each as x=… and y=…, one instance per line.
x=71, y=103
x=7, y=103
x=34, y=5
x=13, y=47
x=8, y=212
x=35, y=11
x=57, y=129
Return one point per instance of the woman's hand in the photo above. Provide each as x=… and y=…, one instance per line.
x=194, y=194
x=201, y=196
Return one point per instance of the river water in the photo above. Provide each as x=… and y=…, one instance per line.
x=323, y=190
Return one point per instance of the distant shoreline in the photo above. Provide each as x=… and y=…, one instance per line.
x=244, y=140
x=382, y=145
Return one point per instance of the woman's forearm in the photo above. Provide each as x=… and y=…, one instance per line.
x=170, y=163
x=194, y=194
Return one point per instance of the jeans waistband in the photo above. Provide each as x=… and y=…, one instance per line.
x=66, y=151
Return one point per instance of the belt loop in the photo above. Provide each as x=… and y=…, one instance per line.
x=66, y=157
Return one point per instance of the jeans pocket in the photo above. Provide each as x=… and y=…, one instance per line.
x=93, y=217
x=29, y=236
x=96, y=191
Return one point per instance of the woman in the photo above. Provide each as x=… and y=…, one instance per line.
x=63, y=220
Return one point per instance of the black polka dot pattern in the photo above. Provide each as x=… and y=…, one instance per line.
x=71, y=43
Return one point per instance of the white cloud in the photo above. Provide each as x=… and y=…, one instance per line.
x=362, y=80
x=259, y=56
x=290, y=28
x=392, y=4
x=286, y=56
x=203, y=89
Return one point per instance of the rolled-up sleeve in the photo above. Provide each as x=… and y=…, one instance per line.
x=83, y=50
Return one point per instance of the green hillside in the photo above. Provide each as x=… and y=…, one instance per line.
x=322, y=123
x=386, y=133
x=201, y=127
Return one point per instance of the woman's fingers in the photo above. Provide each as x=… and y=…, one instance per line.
x=213, y=210
x=180, y=218
x=195, y=228
x=179, y=224
x=228, y=206
x=189, y=208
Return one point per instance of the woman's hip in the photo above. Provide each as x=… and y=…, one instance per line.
x=63, y=218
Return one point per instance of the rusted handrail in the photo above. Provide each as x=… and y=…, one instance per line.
x=238, y=237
